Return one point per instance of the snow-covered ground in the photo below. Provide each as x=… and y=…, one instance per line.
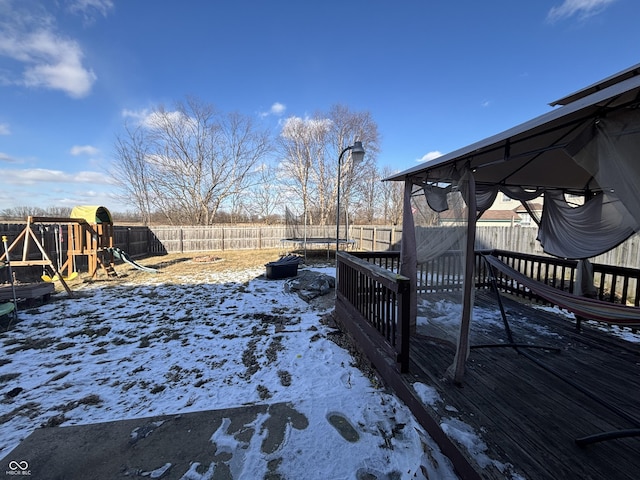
x=207, y=341
x=214, y=340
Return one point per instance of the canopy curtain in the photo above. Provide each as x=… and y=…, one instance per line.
x=487, y=193
x=612, y=156
x=584, y=231
x=609, y=149
x=437, y=237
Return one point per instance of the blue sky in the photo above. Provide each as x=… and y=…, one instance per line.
x=435, y=76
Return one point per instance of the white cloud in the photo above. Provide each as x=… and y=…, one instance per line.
x=138, y=115
x=84, y=150
x=89, y=9
x=156, y=119
x=34, y=176
x=278, y=108
x=582, y=8
x=305, y=128
x=49, y=60
x=430, y=156
x=4, y=129
x=55, y=63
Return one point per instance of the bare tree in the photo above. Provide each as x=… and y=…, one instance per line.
x=132, y=171
x=391, y=197
x=311, y=148
x=188, y=161
x=302, y=143
x=21, y=213
x=266, y=197
x=367, y=193
x=347, y=127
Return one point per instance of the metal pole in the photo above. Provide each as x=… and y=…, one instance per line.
x=357, y=154
x=338, y=203
x=13, y=287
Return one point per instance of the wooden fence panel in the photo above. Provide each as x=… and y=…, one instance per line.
x=139, y=241
x=133, y=240
x=376, y=238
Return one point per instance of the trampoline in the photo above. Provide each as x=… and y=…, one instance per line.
x=297, y=234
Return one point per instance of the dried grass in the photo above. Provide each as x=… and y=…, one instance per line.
x=176, y=265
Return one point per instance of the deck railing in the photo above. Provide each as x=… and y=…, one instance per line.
x=374, y=300
x=613, y=284
x=436, y=275
x=372, y=294
x=373, y=303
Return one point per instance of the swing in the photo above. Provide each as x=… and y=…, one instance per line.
x=58, y=244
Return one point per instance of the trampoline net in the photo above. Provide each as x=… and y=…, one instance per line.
x=294, y=225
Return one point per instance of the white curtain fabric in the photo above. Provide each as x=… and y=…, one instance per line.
x=457, y=368
x=435, y=244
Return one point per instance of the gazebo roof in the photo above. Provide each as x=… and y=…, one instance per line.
x=533, y=154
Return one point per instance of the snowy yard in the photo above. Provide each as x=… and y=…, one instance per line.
x=207, y=340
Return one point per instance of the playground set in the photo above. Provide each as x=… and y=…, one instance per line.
x=86, y=237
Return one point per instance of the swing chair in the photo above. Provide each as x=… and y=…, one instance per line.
x=60, y=266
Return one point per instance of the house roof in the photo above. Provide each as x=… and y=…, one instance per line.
x=535, y=207
x=533, y=154
x=499, y=216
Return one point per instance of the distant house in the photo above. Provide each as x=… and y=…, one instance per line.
x=505, y=212
x=499, y=218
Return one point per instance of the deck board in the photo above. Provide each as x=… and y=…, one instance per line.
x=528, y=417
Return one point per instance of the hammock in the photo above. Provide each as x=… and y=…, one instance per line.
x=597, y=309
x=584, y=307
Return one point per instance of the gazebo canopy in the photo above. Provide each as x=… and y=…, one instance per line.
x=537, y=153
x=588, y=146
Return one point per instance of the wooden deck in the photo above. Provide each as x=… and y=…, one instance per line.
x=528, y=416
x=27, y=291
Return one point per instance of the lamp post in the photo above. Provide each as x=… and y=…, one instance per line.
x=357, y=154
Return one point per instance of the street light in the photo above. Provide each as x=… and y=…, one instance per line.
x=357, y=154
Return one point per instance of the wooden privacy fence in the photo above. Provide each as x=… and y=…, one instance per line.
x=140, y=241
